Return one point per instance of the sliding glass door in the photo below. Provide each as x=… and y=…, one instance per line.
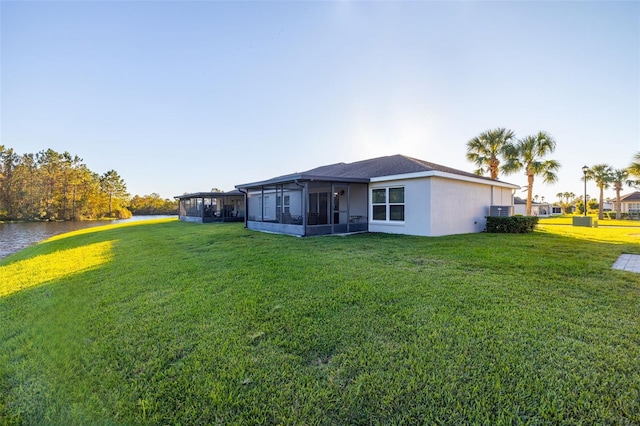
x=318, y=208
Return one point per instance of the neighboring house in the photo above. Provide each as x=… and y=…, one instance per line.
x=630, y=204
x=537, y=209
x=395, y=194
x=206, y=207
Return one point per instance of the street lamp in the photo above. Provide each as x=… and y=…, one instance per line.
x=585, y=169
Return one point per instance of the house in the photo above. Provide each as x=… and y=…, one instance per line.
x=630, y=204
x=206, y=207
x=394, y=194
x=543, y=209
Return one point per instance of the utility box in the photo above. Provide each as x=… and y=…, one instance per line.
x=500, y=211
x=583, y=221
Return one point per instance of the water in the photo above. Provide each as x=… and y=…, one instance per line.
x=16, y=236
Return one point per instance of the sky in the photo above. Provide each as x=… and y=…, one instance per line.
x=182, y=97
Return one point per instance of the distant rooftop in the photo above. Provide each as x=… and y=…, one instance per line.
x=518, y=200
x=634, y=196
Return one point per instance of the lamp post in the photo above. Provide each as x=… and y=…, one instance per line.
x=585, y=169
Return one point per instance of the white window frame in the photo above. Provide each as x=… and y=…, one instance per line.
x=388, y=204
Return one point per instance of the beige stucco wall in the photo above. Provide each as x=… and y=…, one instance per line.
x=465, y=205
x=436, y=206
x=417, y=201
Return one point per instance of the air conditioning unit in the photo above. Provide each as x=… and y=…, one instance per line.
x=500, y=210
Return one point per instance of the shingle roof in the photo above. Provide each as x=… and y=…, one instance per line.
x=363, y=171
x=382, y=166
x=634, y=196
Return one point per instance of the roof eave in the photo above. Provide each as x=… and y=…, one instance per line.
x=436, y=173
x=335, y=179
x=300, y=178
x=273, y=181
x=207, y=194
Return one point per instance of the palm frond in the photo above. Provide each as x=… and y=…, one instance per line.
x=634, y=167
x=486, y=149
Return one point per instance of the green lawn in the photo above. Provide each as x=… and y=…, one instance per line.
x=568, y=220
x=176, y=323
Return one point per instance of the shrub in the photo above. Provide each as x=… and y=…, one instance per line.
x=612, y=215
x=511, y=224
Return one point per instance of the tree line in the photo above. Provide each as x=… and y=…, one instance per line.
x=498, y=151
x=605, y=176
x=49, y=185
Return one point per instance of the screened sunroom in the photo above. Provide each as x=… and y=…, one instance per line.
x=306, y=206
x=205, y=207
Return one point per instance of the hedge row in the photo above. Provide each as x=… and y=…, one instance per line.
x=511, y=224
x=612, y=215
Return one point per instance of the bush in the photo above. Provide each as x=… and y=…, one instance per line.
x=511, y=224
x=624, y=215
x=612, y=215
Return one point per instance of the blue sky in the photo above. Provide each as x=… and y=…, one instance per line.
x=186, y=96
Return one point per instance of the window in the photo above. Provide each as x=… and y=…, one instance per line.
x=379, y=201
x=396, y=204
x=388, y=204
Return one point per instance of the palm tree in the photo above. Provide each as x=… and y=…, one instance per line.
x=601, y=174
x=572, y=197
x=619, y=177
x=528, y=154
x=485, y=149
x=561, y=202
x=634, y=168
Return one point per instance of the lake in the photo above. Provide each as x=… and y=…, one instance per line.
x=16, y=236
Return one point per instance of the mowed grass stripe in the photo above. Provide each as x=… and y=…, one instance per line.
x=215, y=324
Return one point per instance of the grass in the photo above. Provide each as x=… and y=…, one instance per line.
x=568, y=220
x=178, y=323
